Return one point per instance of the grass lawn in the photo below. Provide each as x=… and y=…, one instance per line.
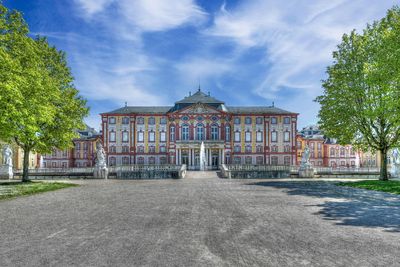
x=14, y=189
x=385, y=186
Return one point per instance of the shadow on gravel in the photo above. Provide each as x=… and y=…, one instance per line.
x=354, y=207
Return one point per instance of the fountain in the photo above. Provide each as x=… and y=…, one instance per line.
x=202, y=157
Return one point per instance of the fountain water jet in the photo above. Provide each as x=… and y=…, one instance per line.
x=202, y=157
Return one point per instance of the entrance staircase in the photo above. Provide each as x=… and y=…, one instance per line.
x=201, y=174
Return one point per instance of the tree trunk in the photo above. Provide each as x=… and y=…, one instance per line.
x=25, y=173
x=383, y=172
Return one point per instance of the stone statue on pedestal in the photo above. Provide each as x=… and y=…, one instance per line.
x=395, y=170
x=305, y=159
x=6, y=169
x=100, y=169
x=306, y=170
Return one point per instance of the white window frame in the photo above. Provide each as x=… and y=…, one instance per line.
x=140, y=136
x=247, y=136
x=237, y=136
x=152, y=136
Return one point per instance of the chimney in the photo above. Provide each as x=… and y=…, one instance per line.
x=190, y=93
x=126, y=104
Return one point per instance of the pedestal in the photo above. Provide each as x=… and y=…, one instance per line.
x=306, y=172
x=6, y=172
x=395, y=171
x=100, y=173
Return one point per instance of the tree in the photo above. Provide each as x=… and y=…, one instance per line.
x=361, y=99
x=40, y=109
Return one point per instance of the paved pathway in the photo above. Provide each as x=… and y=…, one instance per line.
x=201, y=222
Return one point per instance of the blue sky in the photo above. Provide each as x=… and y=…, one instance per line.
x=153, y=52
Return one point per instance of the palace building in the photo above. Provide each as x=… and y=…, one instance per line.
x=173, y=134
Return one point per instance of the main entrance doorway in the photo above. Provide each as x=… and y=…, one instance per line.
x=214, y=162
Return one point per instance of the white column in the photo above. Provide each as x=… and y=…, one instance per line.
x=190, y=157
x=179, y=157
x=223, y=156
x=209, y=157
x=176, y=156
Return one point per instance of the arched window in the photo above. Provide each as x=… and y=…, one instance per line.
x=185, y=132
x=214, y=132
x=200, y=132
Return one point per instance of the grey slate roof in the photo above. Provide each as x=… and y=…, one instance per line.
x=141, y=109
x=257, y=110
x=201, y=97
x=229, y=109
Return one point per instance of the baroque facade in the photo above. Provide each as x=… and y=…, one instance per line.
x=82, y=154
x=173, y=134
x=326, y=152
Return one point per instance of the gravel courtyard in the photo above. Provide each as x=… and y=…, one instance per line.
x=201, y=222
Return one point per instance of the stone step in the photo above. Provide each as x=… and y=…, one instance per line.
x=201, y=174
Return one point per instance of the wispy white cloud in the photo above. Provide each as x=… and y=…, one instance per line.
x=298, y=38
x=91, y=7
x=145, y=15
x=277, y=50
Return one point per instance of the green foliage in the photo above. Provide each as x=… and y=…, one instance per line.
x=384, y=186
x=12, y=189
x=40, y=108
x=360, y=103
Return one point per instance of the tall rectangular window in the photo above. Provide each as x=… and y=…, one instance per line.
x=111, y=120
x=185, y=132
x=152, y=136
x=274, y=120
x=248, y=136
x=274, y=160
x=237, y=120
x=140, y=137
x=112, y=136
x=200, y=132
x=163, y=137
x=172, y=134
x=227, y=133
x=237, y=136
x=125, y=136
x=274, y=136
x=286, y=136
x=259, y=136
x=214, y=132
